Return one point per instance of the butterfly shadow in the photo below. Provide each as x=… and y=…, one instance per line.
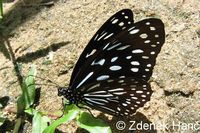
x=137, y=123
x=29, y=57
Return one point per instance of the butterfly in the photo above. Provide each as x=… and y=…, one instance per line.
x=112, y=73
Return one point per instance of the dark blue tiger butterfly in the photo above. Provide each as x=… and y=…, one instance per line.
x=112, y=73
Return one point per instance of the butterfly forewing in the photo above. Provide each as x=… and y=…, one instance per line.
x=131, y=53
x=113, y=26
x=117, y=96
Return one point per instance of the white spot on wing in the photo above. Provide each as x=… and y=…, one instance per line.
x=86, y=78
x=93, y=87
x=128, y=57
x=91, y=53
x=144, y=96
x=99, y=99
x=135, y=98
x=107, y=108
x=101, y=36
x=139, y=92
x=147, y=41
x=114, y=59
x=147, y=23
x=96, y=37
x=108, y=36
x=114, y=21
x=123, y=47
x=137, y=51
x=90, y=95
x=124, y=104
x=115, y=68
x=106, y=46
x=97, y=92
x=134, y=69
x=113, y=100
x=131, y=27
x=148, y=65
x=118, y=89
x=120, y=81
x=121, y=23
x=138, y=102
x=145, y=57
x=134, y=31
x=90, y=100
x=121, y=77
x=118, y=109
x=102, y=77
x=100, y=62
x=144, y=35
x=136, y=63
x=119, y=93
x=152, y=28
x=114, y=46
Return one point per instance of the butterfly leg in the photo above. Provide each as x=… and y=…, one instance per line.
x=88, y=109
x=63, y=106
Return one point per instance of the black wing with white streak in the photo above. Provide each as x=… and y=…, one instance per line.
x=117, y=96
x=130, y=53
x=113, y=26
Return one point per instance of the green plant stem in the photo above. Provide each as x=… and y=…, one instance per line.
x=13, y=59
x=1, y=9
x=17, y=125
x=19, y=121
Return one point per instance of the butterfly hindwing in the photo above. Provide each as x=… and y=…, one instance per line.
x=113, y=26
x=117, y=96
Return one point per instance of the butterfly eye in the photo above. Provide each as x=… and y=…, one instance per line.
x=112, y=73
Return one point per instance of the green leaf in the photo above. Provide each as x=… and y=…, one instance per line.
x=28, y=91
x=2, y=120
x=39, y=122
x=72, y=110
x=92, y=124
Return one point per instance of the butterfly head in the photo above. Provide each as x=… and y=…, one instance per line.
x=64, y=91
x=67, y=93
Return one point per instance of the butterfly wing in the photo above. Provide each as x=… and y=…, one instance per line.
x=130, y=53
x=117, y=96
x=114, y=25
x=112, y=73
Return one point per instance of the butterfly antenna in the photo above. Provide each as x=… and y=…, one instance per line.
x=48, y=80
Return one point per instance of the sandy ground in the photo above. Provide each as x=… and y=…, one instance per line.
x=67, y=26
